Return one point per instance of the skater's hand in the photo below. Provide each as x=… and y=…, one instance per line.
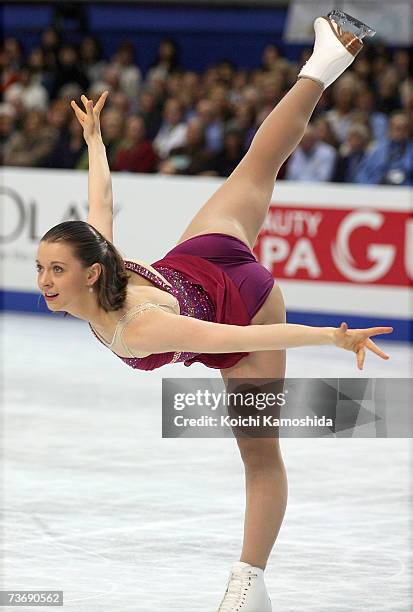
x=90, y=120
x=358, y=340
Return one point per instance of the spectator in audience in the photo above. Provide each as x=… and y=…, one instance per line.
x=120, y=101
x=69, y=148
x=13, y=99
x=9, y=74
x=228, y=159
x=172, y=132
x=190, y=93
x=219, y=95
x=363, y=70
x=391, y=161
x=313, y=160
x=325, y=132
x=110, y=81
x=167, y=59
x=401, y=63
x=35, y=62
x=69, y=70
x=380, y=60
x=150, y=110
x=272, y=61
x=93, y=64
x=14, y=52
x=365, y=104
x=59, y=115
x=351, y=154
x=129, y=74
x=270, y=58
x=364, y=119
x=254, y=96
x=226, y=72
x=157, y=84
x=210, y=77
x=239, y=83
x=32, y=145
x=51, y=42
x=244, y=122
x=174, y=84
x=270, y=92
x=192, y=158
x=206, y=110
x=344, y=91
x=7, y=127
x=188, y=102
x=388, y=98
x=136, y=153
x=406, y=95
x=32, y=95
x=191, y=82
x=96, y=90
x=112, y=125
x=69, y=92
x=43, y=73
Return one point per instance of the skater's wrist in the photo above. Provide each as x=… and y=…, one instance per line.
x=95, y=140
x=330, y=334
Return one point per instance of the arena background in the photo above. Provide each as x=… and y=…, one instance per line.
x=94, y=501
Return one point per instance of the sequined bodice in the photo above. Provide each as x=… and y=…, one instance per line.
x=193, y=301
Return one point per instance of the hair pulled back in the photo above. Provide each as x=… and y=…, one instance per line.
x=90, y=246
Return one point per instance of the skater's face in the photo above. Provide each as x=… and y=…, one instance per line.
x=61, y=274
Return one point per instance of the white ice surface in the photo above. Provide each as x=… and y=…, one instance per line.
x=97, y=504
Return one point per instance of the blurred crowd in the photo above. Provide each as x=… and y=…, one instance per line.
x=175, y=121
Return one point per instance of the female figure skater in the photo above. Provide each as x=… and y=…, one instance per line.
x=208, y=299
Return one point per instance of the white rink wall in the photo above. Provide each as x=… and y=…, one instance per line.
x=337, y=250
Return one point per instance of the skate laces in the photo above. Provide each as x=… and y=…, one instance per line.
x=237, y=590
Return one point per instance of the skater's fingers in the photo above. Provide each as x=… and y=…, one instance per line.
x=84, y=100
x=101, y=102
x=361, y=355
x=89, y=109
x=375, y=349
x=376, y=331
x=78, y=112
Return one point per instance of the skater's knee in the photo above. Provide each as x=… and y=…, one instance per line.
x=260, y=453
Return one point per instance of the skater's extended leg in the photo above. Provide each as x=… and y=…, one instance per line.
x=245, y=196
x=240, y=205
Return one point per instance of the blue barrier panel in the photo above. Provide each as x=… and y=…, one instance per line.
x=26, y=17
x=188, y=19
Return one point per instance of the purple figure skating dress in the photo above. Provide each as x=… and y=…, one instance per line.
x=215, y=277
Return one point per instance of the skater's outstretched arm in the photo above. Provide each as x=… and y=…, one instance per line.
x=100, y=182
x=160, y=332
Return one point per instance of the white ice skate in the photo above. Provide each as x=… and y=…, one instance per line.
x=246, y=590
x=337, y=42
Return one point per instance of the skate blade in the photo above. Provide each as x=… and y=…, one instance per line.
x=350, y=41
x=351, y=24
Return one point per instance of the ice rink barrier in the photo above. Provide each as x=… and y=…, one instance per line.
x=339, y=252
